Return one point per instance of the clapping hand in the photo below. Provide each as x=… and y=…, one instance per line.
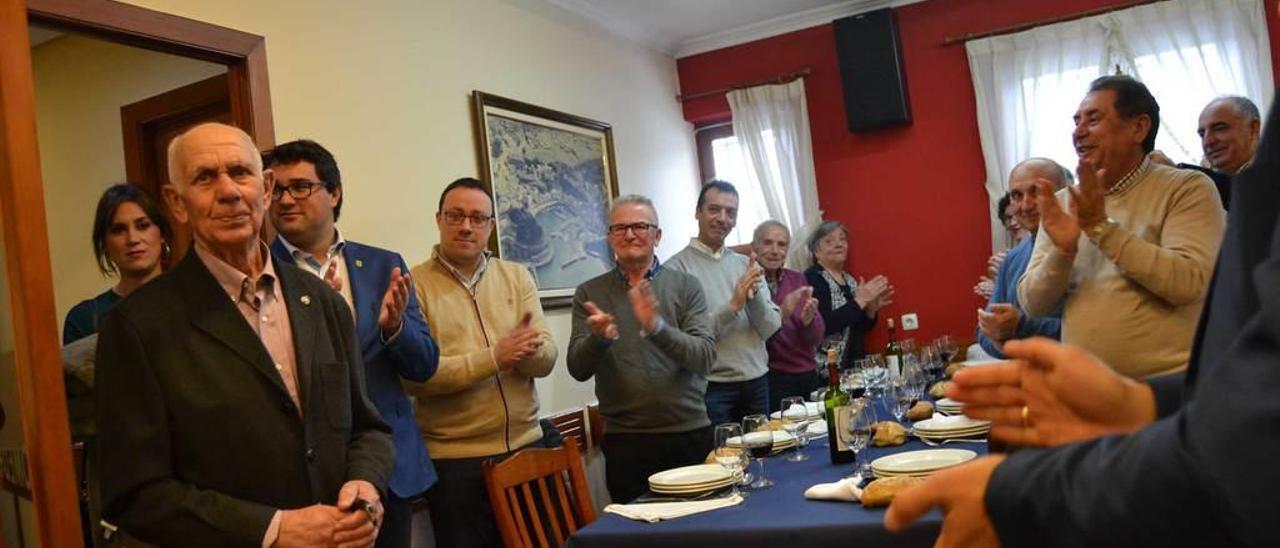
x=960, y=492
x=874, y=294
x=600, y=322
x=645, y=306
x=522, y=342
x=1052, y=394
x=1001, y=323
x=394, y=303
x=332, y=278
x=745, y=289
x=803, y=298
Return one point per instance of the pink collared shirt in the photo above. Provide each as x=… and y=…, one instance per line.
x=271, y=319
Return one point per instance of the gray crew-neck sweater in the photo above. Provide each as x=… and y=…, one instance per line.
x=653, y=383
x=740, y=336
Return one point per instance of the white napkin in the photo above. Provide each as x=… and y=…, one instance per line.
x=654, y=512
x=845, y=489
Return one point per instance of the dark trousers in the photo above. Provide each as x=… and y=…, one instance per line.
x=397, y=523
x=730, y=401
x=460, y=512
x=785, y=385
x=629, y=459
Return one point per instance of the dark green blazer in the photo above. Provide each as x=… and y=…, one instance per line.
x=199, y=441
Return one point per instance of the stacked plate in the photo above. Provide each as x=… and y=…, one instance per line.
x=949, y=406
x=947, y=428
x=781, y=440
x=919, y=464
x=688, y=480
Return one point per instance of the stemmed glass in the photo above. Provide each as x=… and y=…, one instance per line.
x=733, y=459
x=795, y=420
x=855, y=424
x=757, y=438
x=900, y=397
x=947, y=347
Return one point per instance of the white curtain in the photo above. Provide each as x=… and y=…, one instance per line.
x=1188, y=52
x=1028, y=85
x=771, y=123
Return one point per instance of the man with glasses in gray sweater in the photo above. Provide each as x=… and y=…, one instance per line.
x=643, y=332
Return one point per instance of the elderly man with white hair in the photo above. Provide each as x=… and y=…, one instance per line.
x=230, y=392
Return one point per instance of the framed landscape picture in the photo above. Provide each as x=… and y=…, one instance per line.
x=553, y=177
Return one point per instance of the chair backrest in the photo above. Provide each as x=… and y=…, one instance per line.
x=539, y=496
x=573, y=424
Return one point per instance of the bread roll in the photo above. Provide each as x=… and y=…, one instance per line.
x=920, y=411
x=881, y=492
x=889, y=433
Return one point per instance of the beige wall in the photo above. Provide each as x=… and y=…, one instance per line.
x=386, y=86
x=81, y=83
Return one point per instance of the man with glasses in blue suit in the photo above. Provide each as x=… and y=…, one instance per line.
x=393, y=334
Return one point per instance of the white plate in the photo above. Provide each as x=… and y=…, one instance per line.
x=685, y=476
x=815, y=410
x=916, y=462
x=948, y=402
x=666, y=490
x=938, y=425
x=780, y=439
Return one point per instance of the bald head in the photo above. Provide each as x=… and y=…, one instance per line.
x=205, y=132
x=219, y=190
x=1023, y=188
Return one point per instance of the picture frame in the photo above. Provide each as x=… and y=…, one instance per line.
x=553, y=176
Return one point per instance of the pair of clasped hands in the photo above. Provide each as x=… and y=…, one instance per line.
x=352, y=523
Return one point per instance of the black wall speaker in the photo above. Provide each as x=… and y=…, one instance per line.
x=870, y=56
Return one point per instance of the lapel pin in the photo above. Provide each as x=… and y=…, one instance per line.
x=359, y=263
x=306, y=300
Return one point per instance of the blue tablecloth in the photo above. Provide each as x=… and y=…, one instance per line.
x=776, y=515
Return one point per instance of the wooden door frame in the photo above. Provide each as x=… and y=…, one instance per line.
x=46, y=433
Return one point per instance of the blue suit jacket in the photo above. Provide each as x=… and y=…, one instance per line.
x=412, y=355
x=1205, y=474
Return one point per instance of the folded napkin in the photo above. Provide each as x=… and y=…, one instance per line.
x=654, y=512
x=845, y=489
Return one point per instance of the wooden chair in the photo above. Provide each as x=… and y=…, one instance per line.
x=522, y=489
x=573, y=424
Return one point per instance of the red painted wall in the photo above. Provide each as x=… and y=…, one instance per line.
x=913, y=197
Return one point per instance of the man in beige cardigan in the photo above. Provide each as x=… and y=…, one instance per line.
x=493, y=342
x=1135, y=255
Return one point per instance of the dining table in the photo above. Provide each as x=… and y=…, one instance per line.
x=778, y=516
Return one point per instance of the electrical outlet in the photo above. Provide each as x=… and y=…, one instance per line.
x=910, y=322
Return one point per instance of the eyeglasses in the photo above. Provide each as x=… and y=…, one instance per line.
x=639, y=229
x=455, y=218
x=299, y=191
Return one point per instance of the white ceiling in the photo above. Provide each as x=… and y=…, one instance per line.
x=686, y=27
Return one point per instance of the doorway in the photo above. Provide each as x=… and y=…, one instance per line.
x=29, y=336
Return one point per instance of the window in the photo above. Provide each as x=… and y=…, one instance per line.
x=721, y=156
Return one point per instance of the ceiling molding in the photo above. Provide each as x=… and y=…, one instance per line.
x=773, y=27
x=613, y=25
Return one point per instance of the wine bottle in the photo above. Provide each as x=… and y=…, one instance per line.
x=835, y=400
x=893, y=353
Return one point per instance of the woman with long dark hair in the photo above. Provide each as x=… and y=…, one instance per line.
x=130, y=240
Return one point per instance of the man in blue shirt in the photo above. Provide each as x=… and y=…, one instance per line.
x=1004, y=318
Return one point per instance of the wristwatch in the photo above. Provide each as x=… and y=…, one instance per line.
x=1098, y=229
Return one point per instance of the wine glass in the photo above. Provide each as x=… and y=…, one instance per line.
x=732, y=458
x=851, y=381
x=795, y=420
x=901, y=398
x=757, y=438
x=947, y=347
x=854, y=424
